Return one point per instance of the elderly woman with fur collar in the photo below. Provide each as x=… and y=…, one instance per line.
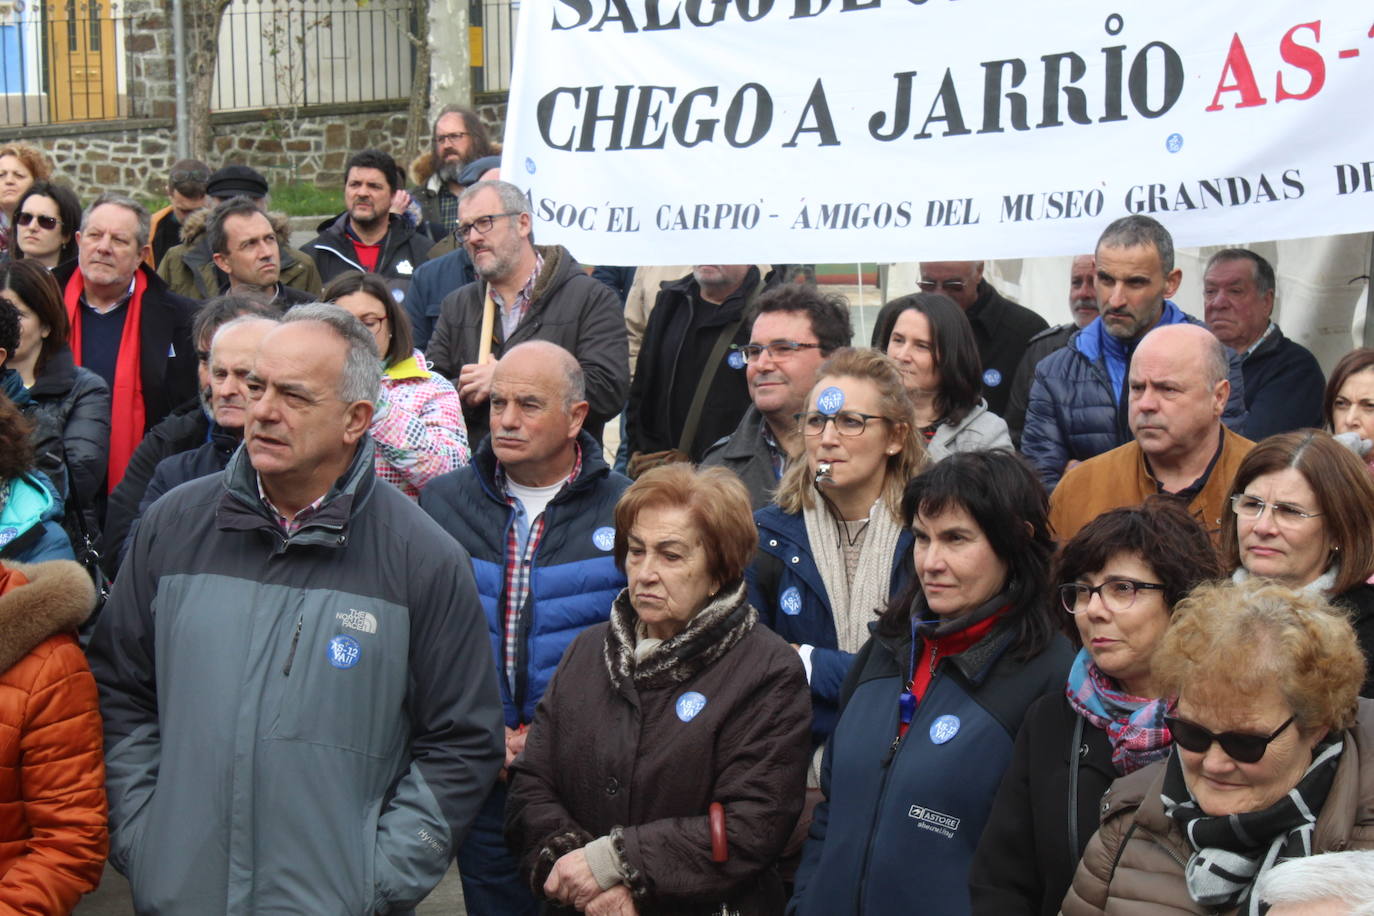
x=680, y=701
x=53, y=836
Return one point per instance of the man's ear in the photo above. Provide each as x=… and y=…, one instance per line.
x=357, y=420
x=1171, y=281
x=220, y=261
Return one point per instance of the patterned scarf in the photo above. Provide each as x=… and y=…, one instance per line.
x=1134, y=725
x=1232, y=852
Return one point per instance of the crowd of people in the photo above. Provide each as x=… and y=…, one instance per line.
x=315, y=576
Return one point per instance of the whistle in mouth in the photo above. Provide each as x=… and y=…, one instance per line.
x=823, y=473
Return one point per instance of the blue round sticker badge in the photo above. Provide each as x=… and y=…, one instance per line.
x=943, y=729
x=791, y=602
x=735, y=360
x=344, y=652
x=992, y=378
x=689, y=704
x=604, y=537
x=830, y=401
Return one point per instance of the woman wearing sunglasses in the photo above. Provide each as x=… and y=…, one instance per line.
x=932, y=343
x=929, y=716
x=45, y=222
x=1302, y=512
x=1271, y=758
x=832, y=548
x=1122, y=575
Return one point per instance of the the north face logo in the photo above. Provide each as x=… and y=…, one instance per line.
x=361, y=621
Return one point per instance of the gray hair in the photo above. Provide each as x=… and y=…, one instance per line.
x=574, y=379
x=513, y=200
x=362, y=371
x=1138, y=229
x=217, y=312
x=1262, y=269
x=1347, y=877
x=145, y=220
x=242, y=320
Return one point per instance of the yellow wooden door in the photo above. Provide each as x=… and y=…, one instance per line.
x=81, y=60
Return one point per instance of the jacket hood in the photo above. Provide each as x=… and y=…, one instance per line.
x=194, y=227
x=58, y=596
x=422, y=167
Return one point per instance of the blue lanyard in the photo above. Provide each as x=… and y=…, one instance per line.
x=906, y=703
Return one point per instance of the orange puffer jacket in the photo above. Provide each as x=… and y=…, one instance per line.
x=53, y=824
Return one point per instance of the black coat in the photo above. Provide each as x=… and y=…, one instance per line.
x=1360, y=601
x=610, y=749
x=71, y=408
x=1024, y=863
x=403, y=250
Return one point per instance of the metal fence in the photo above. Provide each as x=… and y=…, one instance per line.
x=312, y=52
x=493, y=24
x=61, y=60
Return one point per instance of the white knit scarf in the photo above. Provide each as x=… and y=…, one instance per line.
x=854, y=605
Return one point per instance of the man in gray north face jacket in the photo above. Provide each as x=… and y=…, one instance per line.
x=300, y=706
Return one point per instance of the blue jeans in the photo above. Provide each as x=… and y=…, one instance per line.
x=492, y=885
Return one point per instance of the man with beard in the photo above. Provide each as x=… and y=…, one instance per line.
x=1078, y=407
x=459, y=137
x=538, y=293
x=367, y=236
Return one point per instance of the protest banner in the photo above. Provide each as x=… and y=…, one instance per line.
x=688, y=131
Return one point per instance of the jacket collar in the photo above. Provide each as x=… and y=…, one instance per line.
x=715, y=630
x=747, y=439
x=241, y=509
x=594, y=468
x=58, y=376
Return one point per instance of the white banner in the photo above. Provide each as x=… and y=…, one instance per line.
x=688, y=131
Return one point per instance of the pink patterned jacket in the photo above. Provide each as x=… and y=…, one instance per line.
x=418, y=429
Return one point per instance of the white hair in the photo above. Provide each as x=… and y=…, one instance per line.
x=1347, y=877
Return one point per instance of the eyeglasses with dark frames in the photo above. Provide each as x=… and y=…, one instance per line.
x=482, y=224
x=1117, y=594
x=1239, y=746
x=847, y=422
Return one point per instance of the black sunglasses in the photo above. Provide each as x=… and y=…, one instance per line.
x=1239, y=746
x=47, y=222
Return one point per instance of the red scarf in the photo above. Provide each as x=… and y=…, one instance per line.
x=127, y=415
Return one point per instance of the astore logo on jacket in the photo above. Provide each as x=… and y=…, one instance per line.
x=934, y=821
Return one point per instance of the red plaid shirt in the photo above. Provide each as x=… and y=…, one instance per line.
x=519, y=564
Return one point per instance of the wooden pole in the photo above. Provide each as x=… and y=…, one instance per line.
x=488, y=322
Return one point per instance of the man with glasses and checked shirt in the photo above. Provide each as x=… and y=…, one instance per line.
x=796, y=328
x=1002, y=328
x=535, y=293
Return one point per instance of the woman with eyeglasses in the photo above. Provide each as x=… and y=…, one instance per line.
x=929, y=714
x=418, y=426
x=1271, y=758
x=832, y=547
x=932, y=343
x=1122, y=574
x=46, y=222
x=1302, y=512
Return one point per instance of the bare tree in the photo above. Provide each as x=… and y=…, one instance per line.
x=203, y=18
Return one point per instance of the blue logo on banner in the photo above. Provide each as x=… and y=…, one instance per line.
x=604, y=538
x=689, y=704
x=529, y=165
x=944, y=728
x=344, y=652
x=735, y=360
x=992, y=378
x=1174, y=143
x=791, y=602
x=830, y=401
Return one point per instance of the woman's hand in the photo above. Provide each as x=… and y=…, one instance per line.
x=614, y=902
x=571, y=882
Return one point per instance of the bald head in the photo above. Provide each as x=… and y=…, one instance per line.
x=1179, y=388
x=956, y=279
x=538, y=403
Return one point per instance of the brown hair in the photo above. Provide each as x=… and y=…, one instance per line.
x=1234, y=640
x=1345, y=498
x=355, y=281
x=34, y=159
x=795, y=491
x=16, y=447
x=1159, y=531
x=1355, y=361
x=715, y=500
